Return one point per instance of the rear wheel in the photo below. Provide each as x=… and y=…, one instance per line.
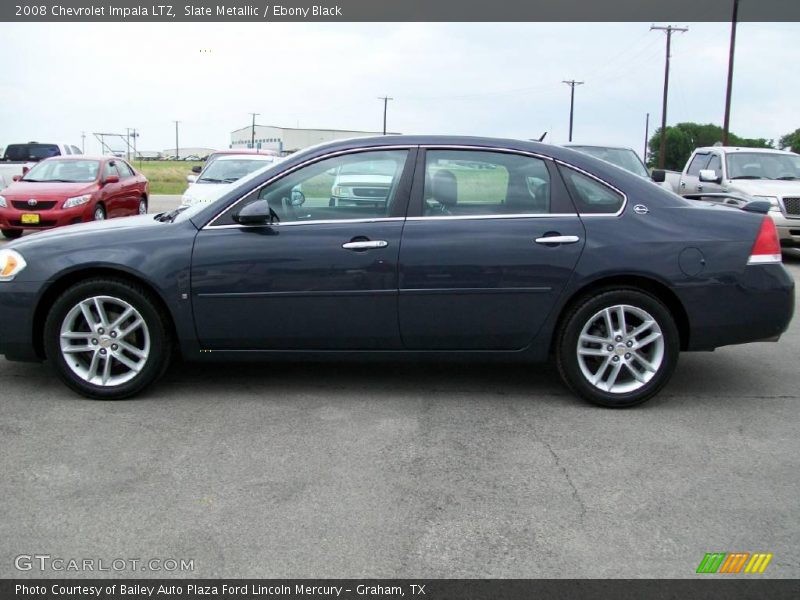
x=12, y=234
x=143, y=206
x=618, y=348
x=106, y=339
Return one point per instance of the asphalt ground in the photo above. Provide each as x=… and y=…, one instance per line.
x=405, y=470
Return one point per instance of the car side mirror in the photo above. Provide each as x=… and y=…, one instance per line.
x=25, y=170
x=197, y=169
x=111, y=179
x=255, y=213
x=709, y=176
x=659, y=175
x=16, y=177
x=191, y=178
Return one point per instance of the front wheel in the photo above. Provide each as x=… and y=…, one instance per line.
x=99, y=213
x=106, y=339
x=12, y=234
x=618, y=348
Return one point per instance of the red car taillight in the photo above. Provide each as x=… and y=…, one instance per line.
x=767, y=248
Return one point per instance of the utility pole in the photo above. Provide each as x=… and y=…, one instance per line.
x=177, y=147
x=662, y=147
x=135, y=135
x=83, y=142
x=385, y=105
x=726, y=125
x=253, y=131
x=128, y=144
x=572, y=83
x=646, y=134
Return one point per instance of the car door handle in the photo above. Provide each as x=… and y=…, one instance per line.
x=699, y=188
x=365, y=245
x=558, y=239
x=683, y=184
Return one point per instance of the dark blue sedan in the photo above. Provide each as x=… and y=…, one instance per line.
x=459, y=248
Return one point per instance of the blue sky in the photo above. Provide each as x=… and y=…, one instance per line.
x=456, y=78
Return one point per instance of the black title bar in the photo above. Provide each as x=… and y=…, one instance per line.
x=398, y=10
x=707, y=588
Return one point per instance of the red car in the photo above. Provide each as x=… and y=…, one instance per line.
x=72, y=189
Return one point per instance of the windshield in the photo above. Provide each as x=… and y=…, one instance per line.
x=30, y=152
x=68, y=171
x=622, y=157
x=228, y=171
x=763, y=165
x=372, y=167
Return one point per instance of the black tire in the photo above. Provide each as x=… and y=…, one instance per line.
x=99, y=209
x=12, y=234
x=567, y=343
x=160, y=340
x=146, y=207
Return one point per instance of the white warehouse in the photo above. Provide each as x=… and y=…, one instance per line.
x=286, y=140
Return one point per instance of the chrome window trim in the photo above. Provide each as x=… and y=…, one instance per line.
x=482, y=217
x=314, y=222
x=210, y=224
x=601, y=182
x=282, y=174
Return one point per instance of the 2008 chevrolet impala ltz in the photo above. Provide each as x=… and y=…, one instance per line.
x=457, y=248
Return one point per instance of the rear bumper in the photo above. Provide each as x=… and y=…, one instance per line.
x=16, y=320
x=757, y=306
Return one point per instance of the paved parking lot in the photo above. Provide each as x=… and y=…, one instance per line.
x=407, y=470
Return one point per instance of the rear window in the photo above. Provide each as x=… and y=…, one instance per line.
x=591, y=196
x=30, y=152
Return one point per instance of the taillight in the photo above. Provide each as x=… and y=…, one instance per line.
x=767, y=248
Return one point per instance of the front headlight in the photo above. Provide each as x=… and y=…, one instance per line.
x=11, y=263
x=774, y=204
x=77, y=201
x=3, y=202
x=342, y=192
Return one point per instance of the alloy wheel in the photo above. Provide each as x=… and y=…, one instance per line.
x=620, y=349
x=105, y=341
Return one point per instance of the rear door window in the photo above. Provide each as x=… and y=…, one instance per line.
x=467, y=182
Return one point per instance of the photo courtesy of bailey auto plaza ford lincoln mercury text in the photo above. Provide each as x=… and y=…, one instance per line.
x=400, y=299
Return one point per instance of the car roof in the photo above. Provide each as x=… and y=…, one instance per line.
x=244, y=151
x=80, y=157
x=255, y=157
x=608, y=146
x=734, y=149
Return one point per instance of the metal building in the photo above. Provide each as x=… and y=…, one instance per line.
x=286, y=140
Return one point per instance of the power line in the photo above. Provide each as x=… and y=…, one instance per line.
x=662, y=148
x=385, y=106
x=572, y=83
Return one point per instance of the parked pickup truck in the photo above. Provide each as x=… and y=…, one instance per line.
x=18, y=158
x=760, y=173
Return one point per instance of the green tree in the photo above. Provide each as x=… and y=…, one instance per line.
x=683, y=138
x=790, y=140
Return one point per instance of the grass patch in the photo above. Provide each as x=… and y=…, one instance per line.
x=166, y=176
